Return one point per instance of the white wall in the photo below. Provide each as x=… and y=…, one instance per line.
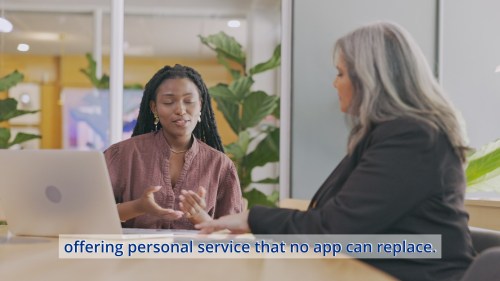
x=319, y=133
x=470, y=54
x=264, y=26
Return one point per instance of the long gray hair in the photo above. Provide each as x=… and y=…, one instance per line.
x=391, y=79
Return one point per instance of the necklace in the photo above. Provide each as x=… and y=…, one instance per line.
x=174, y=151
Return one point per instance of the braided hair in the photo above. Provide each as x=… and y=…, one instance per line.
x=206, y=130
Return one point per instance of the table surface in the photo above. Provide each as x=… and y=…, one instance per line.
x=36, y=258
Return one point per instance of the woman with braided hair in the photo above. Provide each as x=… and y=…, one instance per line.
x=175, y=150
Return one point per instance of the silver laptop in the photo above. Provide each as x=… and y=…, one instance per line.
x=52, y=192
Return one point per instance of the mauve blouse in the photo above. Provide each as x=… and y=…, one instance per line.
x=143, y=161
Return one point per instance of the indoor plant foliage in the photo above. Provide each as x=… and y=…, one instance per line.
x=100, y=82
x=245, y=109
x=483, y=169
x=8, y=110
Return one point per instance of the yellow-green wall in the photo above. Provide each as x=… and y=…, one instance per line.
x=55, y=73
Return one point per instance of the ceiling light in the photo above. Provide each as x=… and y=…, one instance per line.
x=5, y=25
x=23, y=47
x=46, y=36
x=498, y=69
x=233, y=23
x=25, y=98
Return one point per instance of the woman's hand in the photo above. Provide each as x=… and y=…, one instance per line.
x=146, y=204
x=194, y=206
x=237, y=224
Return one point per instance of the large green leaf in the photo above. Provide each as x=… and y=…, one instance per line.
x=226, y=46
x=22, y=137
x=241, y=87
x=257, y=197
x=133, y=86
x=223, y=60
x=483, y=161
x=230, y=111
x=273, y=62
x=10, y=80
x=239, y=148
x=223, y=92
x=4, y=137
x=488, y=183
x=244, y=176
x=269, y=181
x=91, y=73
x=267, y=151
x=483, y=170
x=274, y=197
x=8, y=109
x=276, y=111
x=257, y=106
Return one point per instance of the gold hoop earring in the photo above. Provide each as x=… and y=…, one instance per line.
x=156, y=121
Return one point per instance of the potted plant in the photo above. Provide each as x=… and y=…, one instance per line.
x=245, y=110
x=8, y=110
x=101, y=82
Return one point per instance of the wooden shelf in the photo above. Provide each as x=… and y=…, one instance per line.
x=484, y=213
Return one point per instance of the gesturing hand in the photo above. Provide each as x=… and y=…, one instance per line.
x=148, y=205
x=237, y=224
x=194, y=206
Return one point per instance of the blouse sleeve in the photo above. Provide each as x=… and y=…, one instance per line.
x=229, y=200
x=395, y=173
x=112, y=156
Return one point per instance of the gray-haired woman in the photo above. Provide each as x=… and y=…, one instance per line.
x=403, y=172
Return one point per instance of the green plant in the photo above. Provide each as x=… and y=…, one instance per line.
x=100, y=82
x=8, y=110
x=483, y=169
x=244, y=110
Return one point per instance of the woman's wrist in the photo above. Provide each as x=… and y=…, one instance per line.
x=118, y=207
x=137, y=207
x=129, y=210
x=199, y=218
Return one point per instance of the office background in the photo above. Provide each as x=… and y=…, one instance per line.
x=460, y=39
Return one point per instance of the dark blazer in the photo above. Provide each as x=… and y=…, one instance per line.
x=403, y=178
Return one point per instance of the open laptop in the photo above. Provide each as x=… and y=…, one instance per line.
x=53, y=192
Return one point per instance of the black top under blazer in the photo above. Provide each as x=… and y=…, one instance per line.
x=402, y=178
